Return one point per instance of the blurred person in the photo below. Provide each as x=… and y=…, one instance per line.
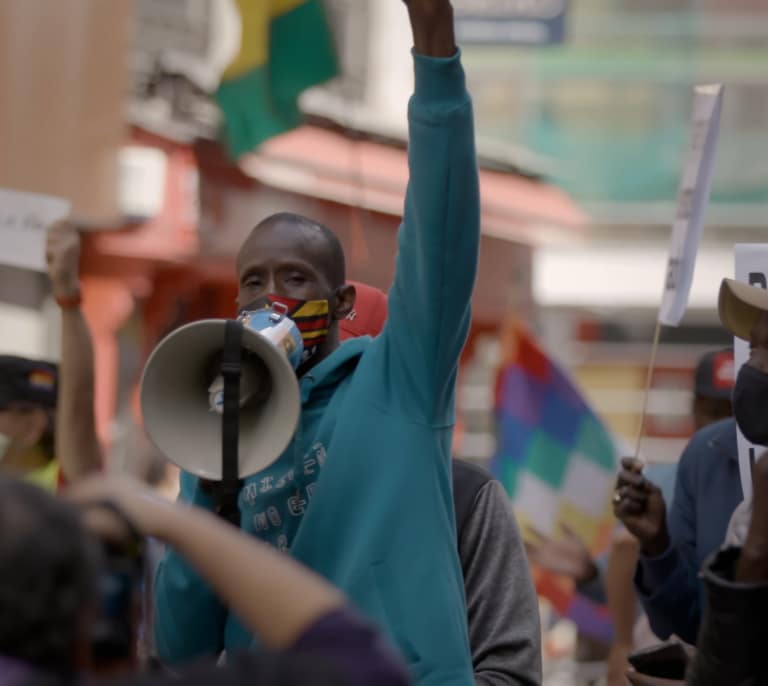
x=50, y=600
x=713, y=387
x=502, y=607
x=731, y=643
x=362, y=495
x=77, y=442
x=568, y=556
x=27, y=419
x=730, y=646
x=674, y=545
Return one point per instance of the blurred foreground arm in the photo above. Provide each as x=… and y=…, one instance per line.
x=77, y=446
x=620, y=593
x=274, y=596
x=287, y=606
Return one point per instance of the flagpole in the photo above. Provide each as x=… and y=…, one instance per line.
x=648, y=382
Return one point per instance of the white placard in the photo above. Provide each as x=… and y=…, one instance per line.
x=24, y=220
x=692, y=200
x=751, y=268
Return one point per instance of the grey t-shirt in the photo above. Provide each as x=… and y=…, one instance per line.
x=502, y=607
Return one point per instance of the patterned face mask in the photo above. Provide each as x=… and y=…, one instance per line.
x=312, y=319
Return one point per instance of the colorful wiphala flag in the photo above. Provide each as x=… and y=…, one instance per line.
x=286, y=47
x=557, y=462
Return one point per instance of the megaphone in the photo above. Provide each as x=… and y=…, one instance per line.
x=182, y=392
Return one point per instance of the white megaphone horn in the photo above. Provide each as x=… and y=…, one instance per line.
x=182, y=392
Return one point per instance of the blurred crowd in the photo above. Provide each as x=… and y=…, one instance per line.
x=400, y=565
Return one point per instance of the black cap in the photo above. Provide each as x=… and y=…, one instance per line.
x=27, y=382
x=715, y=375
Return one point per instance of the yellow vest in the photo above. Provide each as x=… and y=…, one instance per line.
x=46, y=477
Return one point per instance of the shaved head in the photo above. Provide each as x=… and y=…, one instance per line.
x=310, y=238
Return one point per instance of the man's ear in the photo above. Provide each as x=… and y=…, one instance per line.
x=344, y=301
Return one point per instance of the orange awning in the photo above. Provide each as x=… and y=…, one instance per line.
x=326, y=164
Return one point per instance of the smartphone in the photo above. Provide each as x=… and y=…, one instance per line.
x=666, y=661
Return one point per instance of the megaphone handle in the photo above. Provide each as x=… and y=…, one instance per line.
x=230, y=512
x=230, y=423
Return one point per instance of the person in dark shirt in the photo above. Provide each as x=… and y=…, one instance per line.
x=731, y=643
x=51, y=559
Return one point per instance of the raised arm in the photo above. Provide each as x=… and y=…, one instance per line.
x=429, y=302
x=432, y=27
x=666, y=577
x=77, y=445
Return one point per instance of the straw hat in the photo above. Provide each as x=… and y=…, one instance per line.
x=740, y=305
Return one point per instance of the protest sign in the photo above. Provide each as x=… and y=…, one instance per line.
x=692, y=200
x=24, y=220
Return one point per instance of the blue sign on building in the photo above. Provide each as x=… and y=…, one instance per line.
x=510, y=22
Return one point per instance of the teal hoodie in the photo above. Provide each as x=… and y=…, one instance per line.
x=363, y=495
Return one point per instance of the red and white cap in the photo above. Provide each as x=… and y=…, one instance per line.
x=369, y=314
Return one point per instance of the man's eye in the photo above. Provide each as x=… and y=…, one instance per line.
x=252, y=282
x=297, y=279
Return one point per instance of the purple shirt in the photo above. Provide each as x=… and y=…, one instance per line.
x=13, y=672
x=354, y=648
x=340, y=643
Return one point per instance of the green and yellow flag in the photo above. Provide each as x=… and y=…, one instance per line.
x=286, y=47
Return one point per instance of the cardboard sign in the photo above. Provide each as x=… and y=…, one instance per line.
x=692, y=200
x=24, y=221
x=751, y=268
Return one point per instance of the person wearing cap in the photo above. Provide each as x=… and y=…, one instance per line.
x=713, y=386
x=502, y=607
x=675, y=544
x=27, y=416
x=608, y=579
x=47, y=410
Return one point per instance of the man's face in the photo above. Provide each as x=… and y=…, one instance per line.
x=286, y=259
x=20, y=429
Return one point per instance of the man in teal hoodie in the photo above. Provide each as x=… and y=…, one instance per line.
x=362, y=495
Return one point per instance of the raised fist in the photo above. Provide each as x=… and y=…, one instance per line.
x=63, y=257
x=639, y=505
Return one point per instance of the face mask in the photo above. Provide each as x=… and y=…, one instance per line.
x=750, y=404
x=5, y=443
x=312, y=319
